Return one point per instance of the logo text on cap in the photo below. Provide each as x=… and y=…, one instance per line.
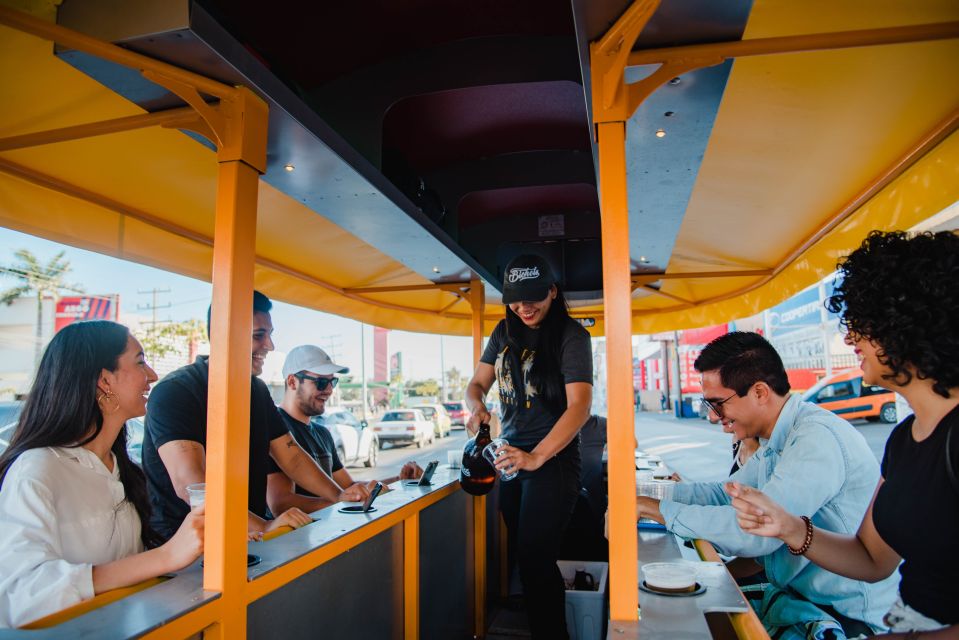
x=518, y=274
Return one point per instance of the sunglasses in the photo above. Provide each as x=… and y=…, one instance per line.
x=716, y=406
x=321, y=383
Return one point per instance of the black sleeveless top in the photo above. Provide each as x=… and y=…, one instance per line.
x=917, y=513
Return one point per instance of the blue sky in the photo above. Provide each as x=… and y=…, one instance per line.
x=189, y=298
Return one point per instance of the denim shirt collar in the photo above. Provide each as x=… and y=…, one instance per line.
x=784, y=424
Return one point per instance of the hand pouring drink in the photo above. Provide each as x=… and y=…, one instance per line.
x=477, y=475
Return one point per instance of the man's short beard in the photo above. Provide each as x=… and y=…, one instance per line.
x=306, y=406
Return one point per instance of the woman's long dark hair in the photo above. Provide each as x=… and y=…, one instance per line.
x=62, y=406
x=545, y=375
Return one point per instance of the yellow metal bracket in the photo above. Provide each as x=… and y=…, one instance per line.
x=237, y=125
x=608, y=59
x=615, y=100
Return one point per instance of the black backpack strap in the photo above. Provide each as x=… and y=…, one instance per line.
x=950, y=465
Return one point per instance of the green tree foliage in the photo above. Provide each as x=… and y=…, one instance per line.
x=163, y=339
x=45, y=280
x=455, y=384
x=424, y=388
x=349, y=392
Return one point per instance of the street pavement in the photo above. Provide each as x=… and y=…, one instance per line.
x=696, y=449
x=393, y=457
x=700, y=452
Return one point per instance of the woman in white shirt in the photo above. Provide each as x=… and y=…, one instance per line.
x=73, y=506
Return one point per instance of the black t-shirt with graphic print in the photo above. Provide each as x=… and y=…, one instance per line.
x=526, y=417
x=317, y=441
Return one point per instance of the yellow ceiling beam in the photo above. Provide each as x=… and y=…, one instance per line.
x=797, y=44
x=173, y=118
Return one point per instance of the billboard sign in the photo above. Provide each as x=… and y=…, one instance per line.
x=801, y=311
x=396, y=365
x=71, y=309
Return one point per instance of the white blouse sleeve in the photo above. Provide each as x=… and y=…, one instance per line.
x=35, y=580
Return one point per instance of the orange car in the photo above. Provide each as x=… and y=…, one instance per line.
x=844, y=394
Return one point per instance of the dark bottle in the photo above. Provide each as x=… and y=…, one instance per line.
x=477, y=475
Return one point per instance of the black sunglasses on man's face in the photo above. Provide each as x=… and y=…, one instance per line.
x=716, y=406
x=320, y=382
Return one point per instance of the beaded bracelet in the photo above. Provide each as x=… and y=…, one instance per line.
x=808, y=541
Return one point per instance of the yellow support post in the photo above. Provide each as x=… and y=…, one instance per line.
x=411, y=576
x=228, y=413
x=478, y=304
x=613, y=103
x=623, y=557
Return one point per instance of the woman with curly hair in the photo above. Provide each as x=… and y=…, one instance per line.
x=899, y=303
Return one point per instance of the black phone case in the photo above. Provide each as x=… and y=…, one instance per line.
x=427, y=478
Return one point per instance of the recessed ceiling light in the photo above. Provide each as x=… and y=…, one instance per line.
x=674, y=81
x=289, y=167
x=660, y=133
x=436, y=269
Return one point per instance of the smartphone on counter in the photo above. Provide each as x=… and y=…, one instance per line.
x=427, y=478
x=373, y=493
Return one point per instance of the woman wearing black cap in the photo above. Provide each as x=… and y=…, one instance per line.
x=542, y=361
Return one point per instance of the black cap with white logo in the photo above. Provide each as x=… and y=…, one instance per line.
x=527, y=277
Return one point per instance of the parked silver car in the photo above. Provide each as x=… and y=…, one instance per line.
x=356, y=444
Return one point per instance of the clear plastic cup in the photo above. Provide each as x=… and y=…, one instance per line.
x=489, y=454
x=453, y=458
x=197, y=493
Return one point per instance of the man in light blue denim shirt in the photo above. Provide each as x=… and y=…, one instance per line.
x=810, y=461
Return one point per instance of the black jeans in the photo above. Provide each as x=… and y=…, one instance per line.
x=537, y=507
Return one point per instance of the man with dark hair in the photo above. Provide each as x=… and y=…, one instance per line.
x=174, y=442
x=809, y=459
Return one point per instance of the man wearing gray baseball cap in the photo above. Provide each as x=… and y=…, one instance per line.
x=309, y=376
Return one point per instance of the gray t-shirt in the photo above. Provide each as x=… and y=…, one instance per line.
x=526, y=417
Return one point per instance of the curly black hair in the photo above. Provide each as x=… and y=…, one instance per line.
x=901, y=292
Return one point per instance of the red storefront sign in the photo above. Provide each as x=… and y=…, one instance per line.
x=73, y=308
x=691, y=343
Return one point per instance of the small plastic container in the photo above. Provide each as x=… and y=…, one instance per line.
x=669, y=576
x=197, y=493
x=453, y=458
x=586, y=611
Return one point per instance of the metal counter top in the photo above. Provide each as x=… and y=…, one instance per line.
x=664, y=617
x=147, y=610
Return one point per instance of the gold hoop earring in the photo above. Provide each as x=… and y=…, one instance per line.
x=110, y=396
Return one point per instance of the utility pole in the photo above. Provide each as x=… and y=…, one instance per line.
x=825, y=329
x=334, y=342
x=443, y=396
x=363, y=367
x=153, y=306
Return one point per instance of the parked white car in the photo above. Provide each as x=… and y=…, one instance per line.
x=442, y=424
x=355, y=442
x=9, y=415
x=405, y=425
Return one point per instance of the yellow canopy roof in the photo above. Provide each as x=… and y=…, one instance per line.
x=809, y=151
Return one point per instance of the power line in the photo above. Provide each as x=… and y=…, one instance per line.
x=153, y=306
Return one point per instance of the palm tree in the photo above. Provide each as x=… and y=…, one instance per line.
x=43, y=279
